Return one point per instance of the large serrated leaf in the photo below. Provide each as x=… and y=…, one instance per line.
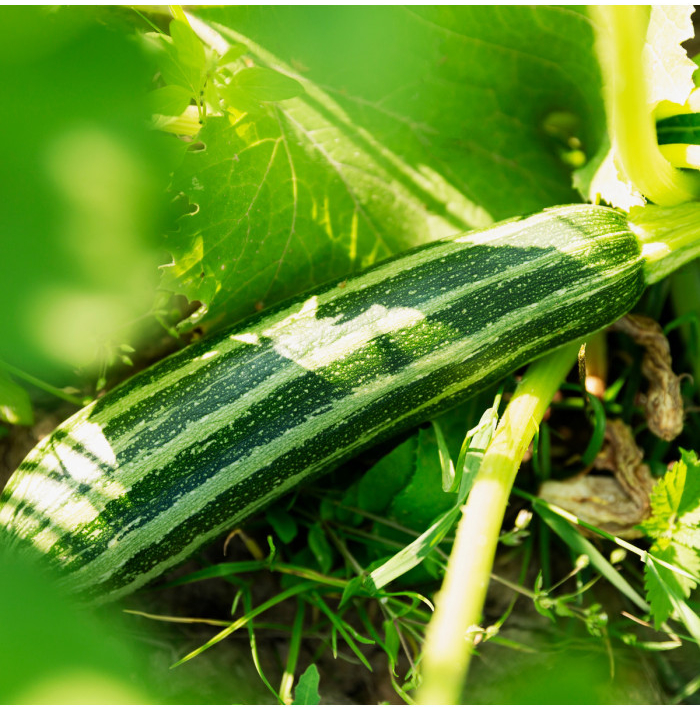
x=666, y=588
x=675, y=501
x=432, y=130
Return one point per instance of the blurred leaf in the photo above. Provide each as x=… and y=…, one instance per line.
x=190, y=50
x=306, y=691
x=169, y=100
x=232, y=54
x=15, y=405
x=181, y=58
x=577, y=673
x=83, y=191
x=263, y=84
x=53, y=652
x=80, y=687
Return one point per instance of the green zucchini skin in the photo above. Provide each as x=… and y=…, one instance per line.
x=140, y=479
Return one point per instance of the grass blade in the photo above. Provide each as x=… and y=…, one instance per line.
x=582, y=546
x=236, y=625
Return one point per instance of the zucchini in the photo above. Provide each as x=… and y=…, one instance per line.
x=140, y=479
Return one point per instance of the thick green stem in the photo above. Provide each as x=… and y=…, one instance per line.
x=670, y=237
x=621, y=34
x=458, y=606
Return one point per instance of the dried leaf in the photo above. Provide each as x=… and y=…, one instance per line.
x=618, y=504
x=663, y=402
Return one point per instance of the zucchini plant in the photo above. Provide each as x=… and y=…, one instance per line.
x=350, y=285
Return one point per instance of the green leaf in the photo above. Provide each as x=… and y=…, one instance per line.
x=432, y=132
x=184, y=61
x=440, y=88
x=423, y=498
x=664, y=499
x=412, y=554
x=15, y=405
x=598, y=436
x=232, y=54
x=190, y=50
x=283, y=523
x=392, y=641
x=684, y=558
x=684, y=128
x=261, y=84
x=690, y=499
x=382, y=482
x=473, y=448
x=306, y=691
x=687, y=535
x=665, y=587
x=675, y=501
x=581, y=545
x=320, y=548
x=450, y=481
x=169, y=100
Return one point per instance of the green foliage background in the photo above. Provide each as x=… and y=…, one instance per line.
x=383, y=128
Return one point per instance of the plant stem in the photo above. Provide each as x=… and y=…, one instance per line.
x=621, y=34
x=670, y=237
x=458, y=606
x=40, y=384
x=287, y=682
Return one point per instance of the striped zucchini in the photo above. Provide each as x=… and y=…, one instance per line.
x=137, y=481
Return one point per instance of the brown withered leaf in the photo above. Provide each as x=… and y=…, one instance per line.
x=615, y=504
x=663, y=402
